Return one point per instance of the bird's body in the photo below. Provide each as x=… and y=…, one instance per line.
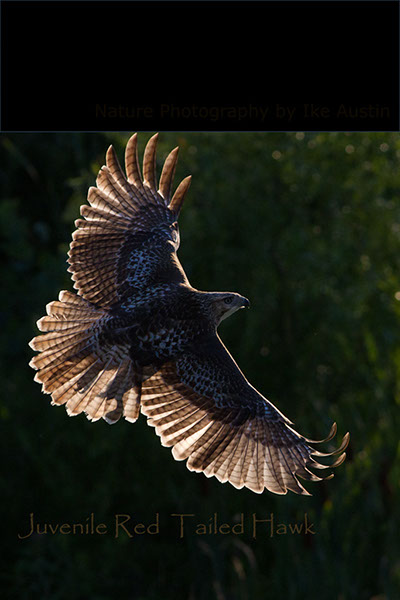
x=161, y=323
x=138, y=336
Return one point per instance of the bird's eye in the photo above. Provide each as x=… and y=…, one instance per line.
x=228, y=300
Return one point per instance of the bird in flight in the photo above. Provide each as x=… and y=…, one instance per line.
x=138, y=337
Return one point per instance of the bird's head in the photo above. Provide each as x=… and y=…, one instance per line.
x=224, y=304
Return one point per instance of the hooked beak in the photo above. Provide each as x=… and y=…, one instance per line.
x=245, y=303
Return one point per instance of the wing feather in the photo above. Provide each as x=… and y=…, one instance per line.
x=204, y=408
x=149, y=163
x=127, y=237
x=132, y=163
x=167, y=174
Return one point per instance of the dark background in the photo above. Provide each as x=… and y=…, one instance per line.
x=307, y=226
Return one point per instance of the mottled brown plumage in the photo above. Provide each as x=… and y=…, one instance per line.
x=137, y=336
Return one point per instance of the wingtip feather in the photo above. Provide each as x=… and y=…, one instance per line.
x=177, y=199
x=132, y=163
x=149, y=163
x=167, y=174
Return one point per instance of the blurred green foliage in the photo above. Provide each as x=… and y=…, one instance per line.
x=307, y=226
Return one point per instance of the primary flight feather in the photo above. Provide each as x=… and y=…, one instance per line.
x=138, y=337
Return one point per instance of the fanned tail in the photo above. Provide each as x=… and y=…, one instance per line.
x=78, y=368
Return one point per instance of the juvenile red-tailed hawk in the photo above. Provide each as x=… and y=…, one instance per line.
x=137, y=336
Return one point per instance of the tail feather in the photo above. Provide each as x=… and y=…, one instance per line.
x=59, y=341
x=96, y=399
x=125, y=389
x=86, y=387
x=78, y=368
x=55, y=356
x=55, y=377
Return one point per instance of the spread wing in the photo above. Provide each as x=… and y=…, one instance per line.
x=129, y=235
x=204, y=408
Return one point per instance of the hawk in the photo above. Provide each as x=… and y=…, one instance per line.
x=138, y=337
